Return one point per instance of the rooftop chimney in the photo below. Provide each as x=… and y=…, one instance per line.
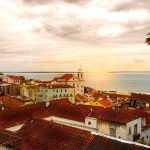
x=143, y=122
x=47, y=103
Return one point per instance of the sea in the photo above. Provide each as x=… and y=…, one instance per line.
x=110, y=81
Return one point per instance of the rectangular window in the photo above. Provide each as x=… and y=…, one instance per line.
x=132, y=102
x=89, y=123
x=112, y=132
x=129, y=130
x=135, y=129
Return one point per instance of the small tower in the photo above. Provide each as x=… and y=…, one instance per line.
x=80, y=73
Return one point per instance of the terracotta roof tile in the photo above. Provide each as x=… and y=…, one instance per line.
x=103, y=143
x=44, y=135
x=64, y=109
x=53, y=86
x=16, y=77
x=140, y=97
x=80, y=98
x=8, y=137
x=10, y=102
x=106, y=103
x=64, y=77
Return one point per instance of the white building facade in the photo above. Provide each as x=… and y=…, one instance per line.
x=76, y=80
x=53, y=92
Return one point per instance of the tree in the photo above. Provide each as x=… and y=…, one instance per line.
x=148, y=39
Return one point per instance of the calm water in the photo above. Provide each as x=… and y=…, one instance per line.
x=131, y=82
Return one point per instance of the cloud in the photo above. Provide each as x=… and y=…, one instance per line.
x=37, y=1
x=43, y=2
x=64, y=30
x=89, y=34
x=130, y=5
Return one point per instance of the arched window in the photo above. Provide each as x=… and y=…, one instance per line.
x=71, y=95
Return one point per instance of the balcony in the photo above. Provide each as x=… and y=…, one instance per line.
x=136, y=137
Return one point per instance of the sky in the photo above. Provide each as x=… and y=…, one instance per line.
x=61, y=35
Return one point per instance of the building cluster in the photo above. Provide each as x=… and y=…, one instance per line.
x=71, y=126
x=65, y=86
x=70, y=115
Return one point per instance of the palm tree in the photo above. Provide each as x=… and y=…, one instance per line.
x=148, y=39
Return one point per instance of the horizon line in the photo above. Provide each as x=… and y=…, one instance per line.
x=73, y=72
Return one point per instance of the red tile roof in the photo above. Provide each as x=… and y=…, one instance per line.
x=7, y=136
x=98, y=95
x=10, y=102
x=118, y=96
x=103, y=143
x=114, y=115
x=106, y=103
x=80, y=98
x=140, y=97
x=54, y=86
x=67, y=76
x=64, y=77
x=64, y=109
x=43, y=134
x=16, y=77
x=3, y=82
x=19, y=115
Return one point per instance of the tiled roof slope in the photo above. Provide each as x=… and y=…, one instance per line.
x=106, y=103
x=55, y=86
x=140, y=97
x=115, y=115
x=38, y=134
x=64, y=109
x=44, y=135
x=16, y=77
x=103, y=143
x=9, y=102
x=8, y=137
x=64, y=77
x=59, y=108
